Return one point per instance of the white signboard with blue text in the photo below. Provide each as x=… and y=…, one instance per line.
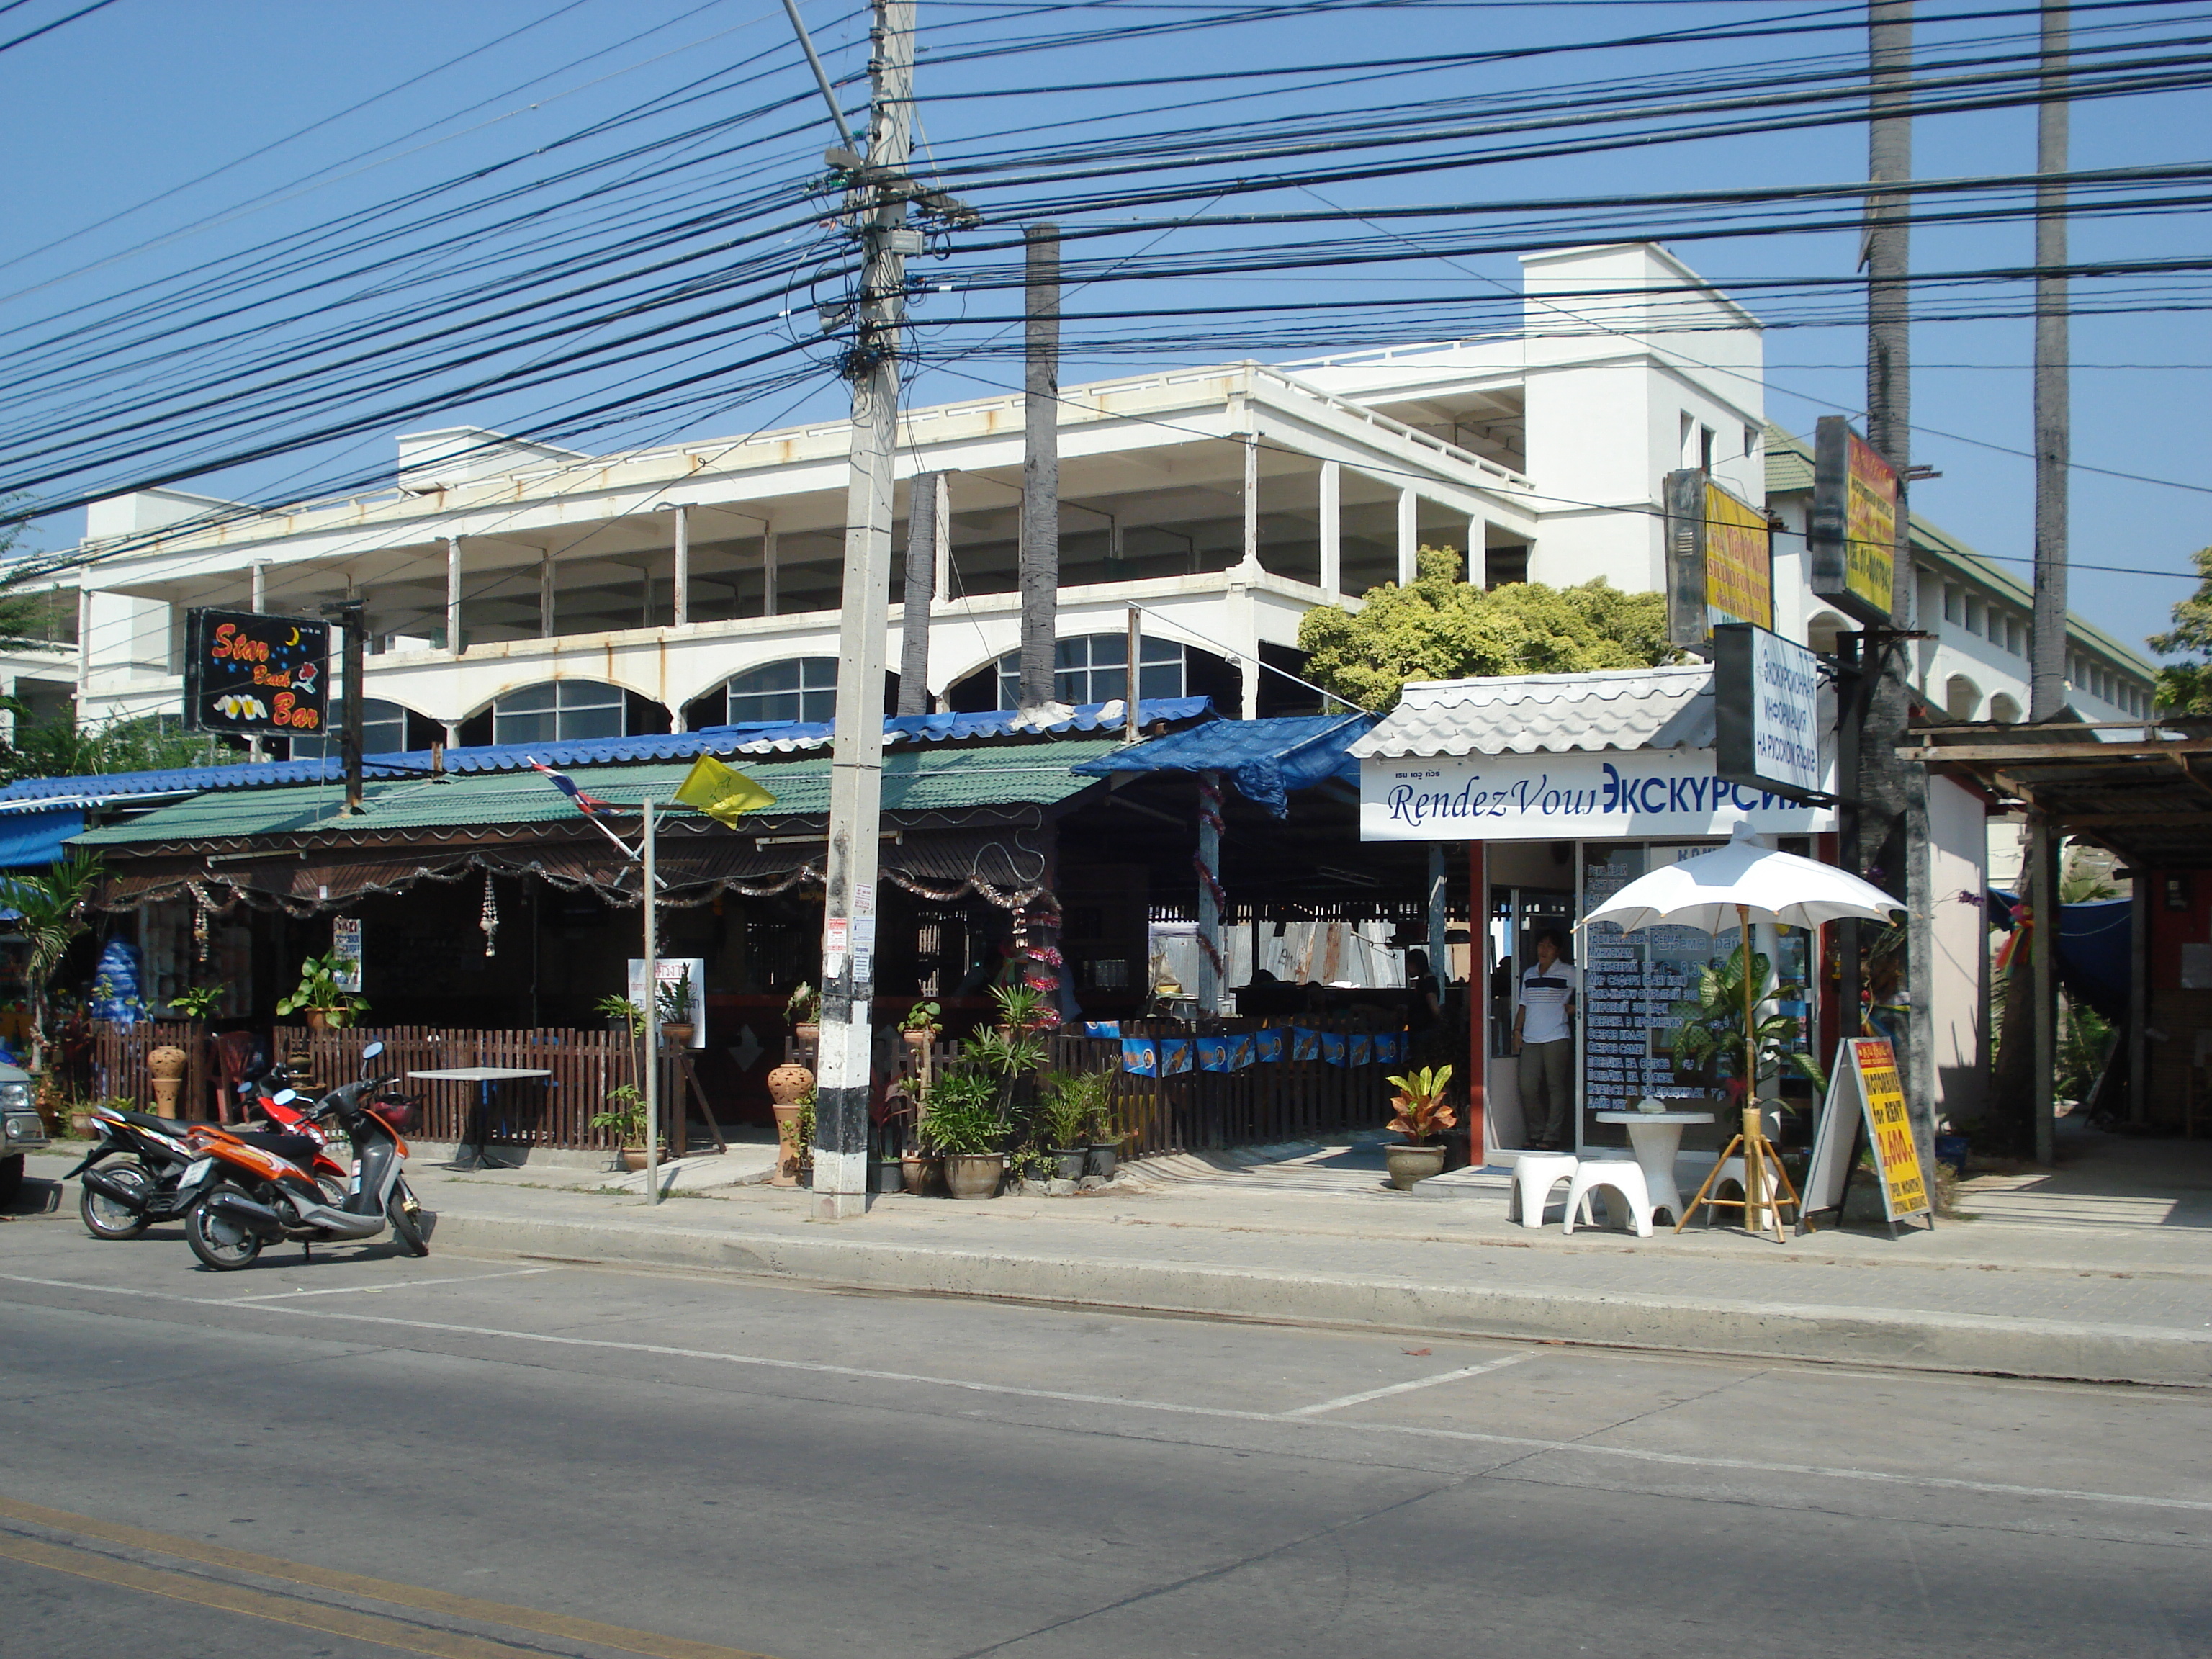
x=1647, y=794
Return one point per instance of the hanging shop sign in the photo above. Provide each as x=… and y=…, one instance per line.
x=1646, y=793
x=1767, y=713
x=1865, y=1077
x=251, y=673
x=1852, y=535
x=1720, y=559
x=345, y=953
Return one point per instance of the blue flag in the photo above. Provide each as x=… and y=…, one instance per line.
x=1140, y=1057
x=1268, y=1042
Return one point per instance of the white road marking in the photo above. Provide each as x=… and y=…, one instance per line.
x=1521, y=1443
x=1342, y=1401
x=372, y=1289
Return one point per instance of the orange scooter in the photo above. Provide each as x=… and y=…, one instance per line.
x=261, y=1198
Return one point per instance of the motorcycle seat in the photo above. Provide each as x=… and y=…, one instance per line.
x=159, y=1126
x=293, y=1149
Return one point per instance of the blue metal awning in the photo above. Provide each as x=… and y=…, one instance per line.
x=33, y=840
x=1267, y=759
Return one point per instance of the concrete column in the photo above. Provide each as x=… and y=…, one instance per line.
x=546, y=604
x=1252, y=499
x=924, y=521
x=1332, y=528
x=260, y=584
x=768, y=570
x=942, y=587
x=680, y=593
x=1409, y=537
x=1478, y=541
x=454, y=594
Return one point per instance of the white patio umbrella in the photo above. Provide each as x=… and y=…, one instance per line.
x=1741, y=884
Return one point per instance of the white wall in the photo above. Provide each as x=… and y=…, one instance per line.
x=1958, y=854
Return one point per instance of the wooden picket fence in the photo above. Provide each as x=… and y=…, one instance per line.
x=554, y=1111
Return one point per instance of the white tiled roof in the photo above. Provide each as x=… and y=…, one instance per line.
x=1545, y=713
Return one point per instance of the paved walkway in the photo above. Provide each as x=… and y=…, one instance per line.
x=2099, y=1268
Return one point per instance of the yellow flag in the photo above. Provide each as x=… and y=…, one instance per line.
x=722, y=794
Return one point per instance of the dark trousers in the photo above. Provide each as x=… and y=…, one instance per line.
x=1548, y=1090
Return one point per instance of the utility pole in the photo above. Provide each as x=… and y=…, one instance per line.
x=1040, y=547
x=1893, y=838
x=652, y=1077
x=856, y=756
x=2053, y=453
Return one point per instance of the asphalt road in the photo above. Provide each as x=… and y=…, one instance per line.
x=475, y=1457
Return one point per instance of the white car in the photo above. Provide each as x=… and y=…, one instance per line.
x=21, y=1129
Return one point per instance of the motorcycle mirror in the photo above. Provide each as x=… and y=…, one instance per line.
x=245, y=1087
x=371, y=1052
x=285, y=1097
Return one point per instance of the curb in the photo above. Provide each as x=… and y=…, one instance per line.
x=1767, y=1330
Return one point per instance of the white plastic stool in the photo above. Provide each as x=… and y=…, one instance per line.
x=1730, y=1173
x=1623, y=1176
x=1535, y=1174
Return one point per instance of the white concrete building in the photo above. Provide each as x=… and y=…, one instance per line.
x=517, y=592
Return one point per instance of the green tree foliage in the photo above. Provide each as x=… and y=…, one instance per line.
x=1443, y=629
x=60, y=748
x=2185, y=687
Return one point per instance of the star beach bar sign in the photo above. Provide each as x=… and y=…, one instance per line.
x=253, y=674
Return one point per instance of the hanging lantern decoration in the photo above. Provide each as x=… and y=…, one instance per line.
x=489, y=919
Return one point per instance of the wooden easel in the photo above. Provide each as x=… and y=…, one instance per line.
x=687, y=1090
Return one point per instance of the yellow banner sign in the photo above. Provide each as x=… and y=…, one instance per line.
x=1897, y=1156
x=1870, y=525
x=1739, y=563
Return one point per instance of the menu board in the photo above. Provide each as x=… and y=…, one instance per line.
x=1631, y=983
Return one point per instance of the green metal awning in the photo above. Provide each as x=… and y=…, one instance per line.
x=914, y=781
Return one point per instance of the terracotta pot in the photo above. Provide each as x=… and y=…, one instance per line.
x=633, y=1158
x=809, y=1035
x=319, y=1019
x=1409, y=1164
x=165, y=1095
x=678, y=1032
x=923, y=1175
x=917, y=1040
x=973, y=1175
x=787, y=1083
x=789, y=1153
x=166, y=1061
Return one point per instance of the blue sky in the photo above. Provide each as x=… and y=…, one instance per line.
x=140, y=99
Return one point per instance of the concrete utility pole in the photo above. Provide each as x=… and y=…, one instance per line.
x=1892, y=826
x=856, y=756
x=924, y=536
x=2053, y=451
x=1040, y=546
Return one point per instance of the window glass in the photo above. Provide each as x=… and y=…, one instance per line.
x=383, y=730
x=802, y=688
x=560, y=711
x=1095, y=668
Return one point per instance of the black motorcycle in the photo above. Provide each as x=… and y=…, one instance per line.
x=162, y=1168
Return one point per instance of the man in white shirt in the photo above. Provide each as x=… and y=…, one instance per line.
x=1544, y=1038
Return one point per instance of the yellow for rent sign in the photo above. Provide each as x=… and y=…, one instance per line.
x=1897, y=1156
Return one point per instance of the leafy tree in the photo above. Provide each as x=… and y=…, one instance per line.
x=1443, y=629
x=51, y=910
x=2185, y=687
x=60, y=748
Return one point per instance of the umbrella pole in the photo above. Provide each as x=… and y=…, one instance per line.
x=1754, y=1137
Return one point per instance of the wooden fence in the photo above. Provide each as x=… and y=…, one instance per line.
x=551, y=1111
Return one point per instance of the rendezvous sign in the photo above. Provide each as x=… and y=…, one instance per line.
x=1767, y=713
x=1640, y=794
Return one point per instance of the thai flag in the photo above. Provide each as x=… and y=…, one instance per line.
x=567, y=785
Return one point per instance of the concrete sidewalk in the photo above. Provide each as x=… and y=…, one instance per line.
x=2100, y=1270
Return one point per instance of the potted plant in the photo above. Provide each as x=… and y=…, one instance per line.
x=802, y=1008
x=624, y=1119
x=1021, y=1008
x=964, y=1127
x=674, y=998
x=921, y=1024
x=318, y=996
x=1063, y=1118
x=1422, y=1118
x=200, y=1002
x=1103, y=1135
x=1709, y=1036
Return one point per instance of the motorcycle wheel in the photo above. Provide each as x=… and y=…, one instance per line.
x=103, y=1217
x=220, y=1242
x=403, y=1224
x=333, y=1191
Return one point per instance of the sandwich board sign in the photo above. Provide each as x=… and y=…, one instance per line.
x=1865, y=1076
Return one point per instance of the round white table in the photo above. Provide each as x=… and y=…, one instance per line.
x=1656, y=1138
x=484, y=1077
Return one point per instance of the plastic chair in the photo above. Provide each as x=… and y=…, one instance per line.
x=1622, y=1177
x=1535, y=1174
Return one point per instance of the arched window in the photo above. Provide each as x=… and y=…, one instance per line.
x=560, y=711
x=1962, y=698
x=2004, y=710
x=1095, y=668
x=383, y=730
x=803, y=689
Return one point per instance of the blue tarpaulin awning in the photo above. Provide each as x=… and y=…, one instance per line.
x=35, y=839
x=2095, y=940
x=1267, y=758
